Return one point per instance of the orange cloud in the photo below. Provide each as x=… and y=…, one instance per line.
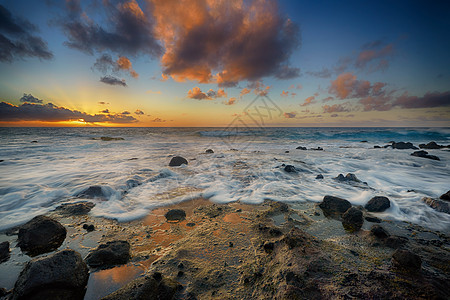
x=231, y=101
x=290, y=115
x=196, y=93
x=308, y=101
x=245, y=91
x=284, y=93
x=123, y=63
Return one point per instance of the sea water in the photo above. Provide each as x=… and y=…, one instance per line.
x=45, y=167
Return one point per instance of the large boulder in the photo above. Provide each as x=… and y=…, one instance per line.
x=352, y=219
x=334, y=205
x=445, y=196
x=109, y=254
x=175, y=215
x=438, y=205
x=149, y=287
x=424, y=154
x=403, y=145
x=41, y=235
x=405, y=260
x=378, y=204
x=4, y=251
x=177, y=161
x=63, y=274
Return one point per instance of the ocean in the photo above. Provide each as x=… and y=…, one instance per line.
x=41, y=168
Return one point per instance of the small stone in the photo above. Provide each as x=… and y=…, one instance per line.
x=379, y=232
x=301, y=148
x=209, y=151
x=190, y=224
x=177, y=161
x=175, y=215
x=320, y=176
x=89, y=228
x=405, y=260
x=290, y=169
x=109, y=254
x=286, y=151
x=230, y=244
x=352, y=219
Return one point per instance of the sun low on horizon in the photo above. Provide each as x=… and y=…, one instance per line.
x=197, y=63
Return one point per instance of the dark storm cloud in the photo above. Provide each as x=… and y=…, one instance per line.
x=111, y=80
x=17, y=40
x=30, y=99
x=52, y=113
x=127, y=30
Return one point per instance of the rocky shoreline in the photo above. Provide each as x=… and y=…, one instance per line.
x=200, y=250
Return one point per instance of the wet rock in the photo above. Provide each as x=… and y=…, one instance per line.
x=377, y=147
x=320, y=176
x=177, y=161
x=352, y=219
x=379, y=232
x=41, y=235
x=190, y=224
x=438, y=205
x=209, y=151
x=372, y=219
x=431, y=145
x=3, y=292
x=378, y=204
x=403, y=145
x=445, y=196
x=108, y=138
x=269, y=246
x=364, y=141
x=94, y=191
x=348, y=178
x=301, y=148
x=287, y=151
x=147, y=287
x=405, y=260
x=334, y=205
x=89, y=227
x=131, y=183
x=175, y=215
x=109, y=254
x=395, y=242
x=63, y=273
x=317, y=149
x=80, y=208
x=424, y=154
x=34, y=141
x=290, y=169
x=4, y=251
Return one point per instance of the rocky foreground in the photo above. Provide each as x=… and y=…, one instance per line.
x=200, y=250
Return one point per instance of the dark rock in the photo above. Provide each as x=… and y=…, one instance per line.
x=372, y=219
x=352, y=219
x=209, y=151
x=424, y=154
x=109, y=254
x=301, y=148
x=286, y=151
x=350, y=177
x=317, y=149
x=175, y=215
x=41, y=235
x=320, y=176
x=108, y=138
x=180, y=274
x=395, y=242
x=269, y=246
x=34, y=141
x=3, y=292
x=94, y=191
x=333, y=205
x=405, y=260
x=89, y=228
x=378, y=204
x=190, y=224
x=431, y=145
x=379, y=232
x=131, y=183
x=445, y=196
x=180, y=265
x=2, y=160
x=157, y=276
x=377, y=147
x=363, y=141
x=147, y=288
x=438, y=205
x=230, y=244
x=177, y=161
x=61, y=273
x=4, y=251
x=290, y=169
x=403, y=145
x=80, y=208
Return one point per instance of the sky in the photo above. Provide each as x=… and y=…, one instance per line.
x=197, y=63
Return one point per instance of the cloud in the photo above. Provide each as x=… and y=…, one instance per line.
x=244, y=91
x=139, y=112
x=284, y=93
x=430, y=99
x=17, y=40
x=103, y=103
x=231, y=101
x=125, y=113
x=290, y=115
x=328, y=99
x=225, y=41
x=111, y=80
x=52, y=113
x=374, y=57
x=324, y=73
x=105, y=111
x=334, y=108
x=380, y=103
x=30, y=99
x=346, y=86
x=105, y=64
x=125, y=30
x=293, y=86
x=196, y=93
x=158, y=120
x=308, y=101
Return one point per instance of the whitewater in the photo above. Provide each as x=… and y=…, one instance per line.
x=41, y=168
